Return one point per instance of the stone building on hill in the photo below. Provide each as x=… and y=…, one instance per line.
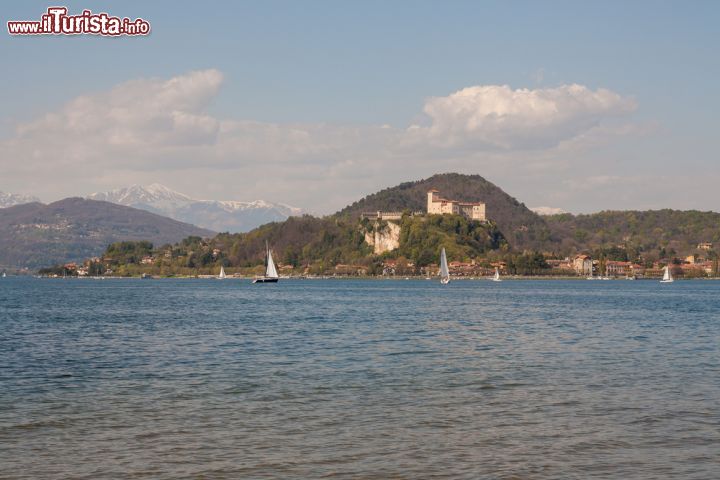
x=437, y=205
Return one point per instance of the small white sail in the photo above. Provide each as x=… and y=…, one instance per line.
x=496, y=278
x=270, y=270
x=222, y=272
x=271, y=275
x=667, y=275
x=444, y=271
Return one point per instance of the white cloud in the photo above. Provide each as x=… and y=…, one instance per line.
x=150, y=130
x=139, y=113
x=498, y=117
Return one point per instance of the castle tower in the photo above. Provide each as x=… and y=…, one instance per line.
x=431, y=200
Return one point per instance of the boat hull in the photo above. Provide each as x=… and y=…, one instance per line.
x=265, y=280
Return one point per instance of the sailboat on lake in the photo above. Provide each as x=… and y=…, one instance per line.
x=667, y=275
x=271, y=275
x=496, y=277
x=444, y=271
x=222, y=273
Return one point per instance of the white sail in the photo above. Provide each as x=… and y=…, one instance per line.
x=270, y=270
x=444, y=271
x=222, y=272
x=496, y=278
x=667, y=275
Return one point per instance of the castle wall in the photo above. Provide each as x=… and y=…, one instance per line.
x=438, y=206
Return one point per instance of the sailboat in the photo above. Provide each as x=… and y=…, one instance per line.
x=3, y=275
x=667, y=276
x=222, y=273
x=444, y=271
x=271, y=275
x=496, y=277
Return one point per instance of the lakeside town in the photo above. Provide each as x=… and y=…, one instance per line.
x=381, y=232
x=581, y=266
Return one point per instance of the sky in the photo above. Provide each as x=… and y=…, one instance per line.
x=572, y=105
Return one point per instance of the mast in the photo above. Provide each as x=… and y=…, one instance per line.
x=270, y=270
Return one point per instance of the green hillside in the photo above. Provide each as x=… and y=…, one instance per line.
x=513, y=234
x=653, y=232
x=522, y=228
x=307, y=242
x=421, y=238
x=34, y=235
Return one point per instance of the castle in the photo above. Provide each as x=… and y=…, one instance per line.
x=436, y=206
x=439, y=206
x=387, y=237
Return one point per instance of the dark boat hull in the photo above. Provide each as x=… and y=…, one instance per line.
x=265, y=280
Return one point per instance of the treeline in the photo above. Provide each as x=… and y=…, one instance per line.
x=645, y=236
x=421, y=238
x=299, y=244
x=320, y=245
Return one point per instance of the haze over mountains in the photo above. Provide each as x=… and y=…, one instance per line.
x=218, y=215
x=12, y=199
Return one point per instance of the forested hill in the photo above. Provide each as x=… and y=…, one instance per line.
x=34, y=234
x=644, y=231
x=521, y=227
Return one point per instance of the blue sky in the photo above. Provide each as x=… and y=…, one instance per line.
x=347, y=67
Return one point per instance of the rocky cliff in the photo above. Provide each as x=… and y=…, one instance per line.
x=383, y=237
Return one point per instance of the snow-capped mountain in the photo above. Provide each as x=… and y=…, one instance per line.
x=12, y=199
x=548, y=210
x=218, y=215
x=155, y=197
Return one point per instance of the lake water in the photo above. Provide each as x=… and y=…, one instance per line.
x=366, y=379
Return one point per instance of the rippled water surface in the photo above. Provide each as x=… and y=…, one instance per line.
x=169, y=379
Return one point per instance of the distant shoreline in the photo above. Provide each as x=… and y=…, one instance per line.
x=367, y=277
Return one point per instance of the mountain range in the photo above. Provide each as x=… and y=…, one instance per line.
x=12, y=199
x=34, y=234
x=39, y=235
x=218, y=215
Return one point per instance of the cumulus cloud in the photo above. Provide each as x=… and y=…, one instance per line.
x=160, y=130
x=496, y=116
x=143, y=113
